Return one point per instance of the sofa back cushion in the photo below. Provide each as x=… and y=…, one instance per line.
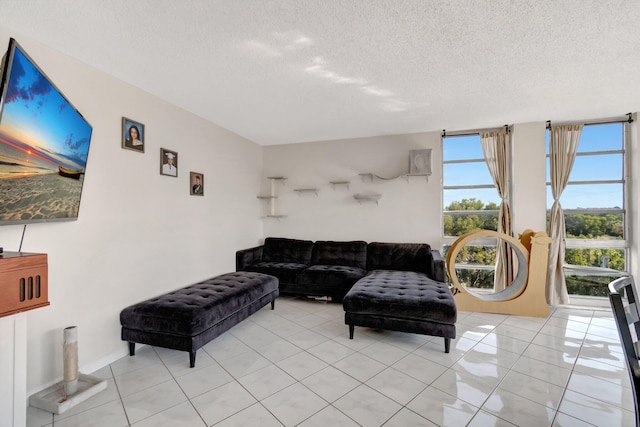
x=277, y=249
x=400, y=256
x=352, y=254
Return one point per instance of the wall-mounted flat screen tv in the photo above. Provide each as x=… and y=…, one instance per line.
x=44, y=145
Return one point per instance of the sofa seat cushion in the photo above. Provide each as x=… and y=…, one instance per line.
x=332, y=275
x=401, y=294
x=286, y=272
x=193, y=309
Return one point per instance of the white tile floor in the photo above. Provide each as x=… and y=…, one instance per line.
x=296, y=366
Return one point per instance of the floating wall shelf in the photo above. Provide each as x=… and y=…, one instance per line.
x=306, y=190
x=337, y=183
x=272, y=196
x=278, y=217
x=366, y=177
x=370, y=176
x=367, y=197
x=409, y=175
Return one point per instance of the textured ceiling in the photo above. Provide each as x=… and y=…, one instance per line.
x=285, y=71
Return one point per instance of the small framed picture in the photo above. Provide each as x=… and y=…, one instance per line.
x=168, y=162
x=197, y=184
x=132, y=135
x=420, y=162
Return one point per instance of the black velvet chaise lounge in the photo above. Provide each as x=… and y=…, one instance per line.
x=188, y=318
x=405, y=301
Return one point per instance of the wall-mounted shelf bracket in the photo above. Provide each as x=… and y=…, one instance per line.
x=367, y=197
x=409, y=175
x=277, y=178
x=278, y=217
x=272, y=196
x=306, y=190
x=334, y=184
x=366, y=177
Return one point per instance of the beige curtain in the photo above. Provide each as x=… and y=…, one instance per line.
x=562, y=153
x=495, y=146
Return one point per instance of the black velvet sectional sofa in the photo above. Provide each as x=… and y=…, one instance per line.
x=331, y=268
x=395, y=286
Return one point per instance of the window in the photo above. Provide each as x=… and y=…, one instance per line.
x=594, y=210
x=470, y=202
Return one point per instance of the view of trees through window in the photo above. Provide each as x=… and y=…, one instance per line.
x=471, y=203
x=593, y=202
x=476, y=261
x=594, y=207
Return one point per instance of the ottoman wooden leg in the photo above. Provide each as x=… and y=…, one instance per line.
x=447, y=344
x=351, y=328
x=192, y=359
x=273, y=304
x=132, y=349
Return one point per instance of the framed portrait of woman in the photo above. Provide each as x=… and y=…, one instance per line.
x=132, y=135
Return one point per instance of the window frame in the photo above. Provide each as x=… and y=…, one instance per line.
x=625, y=242
x=447, y=241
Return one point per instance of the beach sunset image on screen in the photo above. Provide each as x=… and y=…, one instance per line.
x=44, y=145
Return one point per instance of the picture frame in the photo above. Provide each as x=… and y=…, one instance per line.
x=420, y=162
x=131, y=141
x=196, y=184
x=168, y=162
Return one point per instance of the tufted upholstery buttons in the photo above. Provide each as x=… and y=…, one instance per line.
x=188, y=318
x=193, y=309
x=351, y=254
x=287, y=250
x=399, y=257
x=403, y=294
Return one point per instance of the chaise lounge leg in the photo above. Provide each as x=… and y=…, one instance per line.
x=132, y=349
x=192, y=358
x=273, y=304
x=351, y=328
x=447, y=344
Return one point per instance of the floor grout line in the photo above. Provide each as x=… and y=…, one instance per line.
x=503, y=329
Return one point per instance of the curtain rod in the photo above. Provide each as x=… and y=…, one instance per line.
x=474, y=132
x=629, y=119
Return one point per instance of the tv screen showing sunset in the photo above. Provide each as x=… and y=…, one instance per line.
x=44, y=144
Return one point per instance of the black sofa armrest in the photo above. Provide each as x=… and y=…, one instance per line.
x=438, y=266
x=246, y=257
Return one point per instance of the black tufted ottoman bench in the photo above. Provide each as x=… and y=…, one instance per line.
x=188, y=318
x=405, y=301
